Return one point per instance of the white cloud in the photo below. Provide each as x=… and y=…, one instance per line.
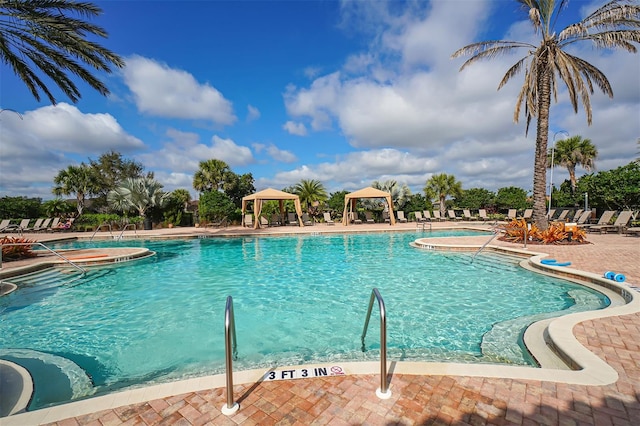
x=298, y=129
x=167, y=92
x=34, y=149
x=253, y=113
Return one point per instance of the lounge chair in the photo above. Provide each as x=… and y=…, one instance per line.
x=562, y=217
x=419, y=217
x=292, y=219
x=512, y=214
x=369, y=217
x=621, y=222
x=385, y=217
x=452, y=215
x=551, y=213
x=577, y=214
x=44, y=226
x=264, y=222
x=353, y=218
x=275, y=220
x=327, y=218
x=528, y=214
x=634, y=230
x=604, y=219
x=248, y=220
x=482, y=214
x=306, y=220
x=466, y=214
x=55, y=224
x=401, y=217
x=4, y=224
x=584, y=217
x=426, y=215
x=36, y=226
x=436, y=215
x=24, y=224
x=217, y=223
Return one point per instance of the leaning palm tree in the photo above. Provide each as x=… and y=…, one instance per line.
x=439, y=187
x=399, y=194
x=614, y=25
x=79, y=180
x=210, y=175
x=572, y=152
x=311, y=192
x=53, y=37
x=139, y=194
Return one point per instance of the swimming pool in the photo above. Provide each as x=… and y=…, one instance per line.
x=297, y=300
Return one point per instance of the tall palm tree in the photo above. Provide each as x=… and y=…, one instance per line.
x=79, y=180
x=310, y=191
x=441, y=186
x=210, y=175
x=52, y=36
x=614, y=25
x=572, y=152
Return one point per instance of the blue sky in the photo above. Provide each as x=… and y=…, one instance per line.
x=343, y=92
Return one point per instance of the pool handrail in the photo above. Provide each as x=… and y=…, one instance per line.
x=231, y=353
x=100, y=226
x=383, y=392
x=80, y=268
x=124, y=228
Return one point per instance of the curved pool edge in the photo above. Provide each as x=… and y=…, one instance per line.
x=17, y=387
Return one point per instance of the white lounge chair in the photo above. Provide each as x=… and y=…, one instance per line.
x=401, y=217
x=327, y=218
x=621, y=222
x=452, y=215
x=248, y=220
x=419, y=217
x=466, y=214
x=369, y=217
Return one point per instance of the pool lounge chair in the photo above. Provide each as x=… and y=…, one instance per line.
x=275, y=220
x=306, y=220
x=327, y=218
x=452, y=215
x=512, y=214
x=248, y=220
x=605, y=218
x=24, y=224
x=385, y=217
x=437, y=216
x=634, y=230
x=36, y=226
x=621, y=222
x=576, y=215
x=44, y=226
x=401, y=218
x=482, y=215
x=419, y=217
x=551, y=213
x=466, y=214
x=584, y=217
x=369, y=217
x=562, y=217
x=528, y=214
x=264, y=222
x=426, y=215
x=4, y=224
x=291, y=218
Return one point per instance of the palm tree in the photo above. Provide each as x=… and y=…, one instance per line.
x=51, y=35
x=614, y=25
x=210, y=175
x=310, y=191
x=439, y=187
x=140, y=194
x=79, y=180
x=399, y=193
x=572, y=152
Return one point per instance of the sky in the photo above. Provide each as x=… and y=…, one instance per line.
x=344, y=92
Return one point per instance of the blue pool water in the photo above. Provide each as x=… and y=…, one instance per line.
x=297, y=300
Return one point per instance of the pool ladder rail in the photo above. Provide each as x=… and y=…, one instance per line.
x=119, y=237
x=231, y=350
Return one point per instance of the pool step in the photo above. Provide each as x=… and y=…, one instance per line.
x=45, y=279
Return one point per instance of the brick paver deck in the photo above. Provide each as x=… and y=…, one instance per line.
x=424, y=400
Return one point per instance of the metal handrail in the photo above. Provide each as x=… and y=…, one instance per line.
x=423, y=224
x=100, y=226
x=383, y=392
x=81, y=269
x=124, y=228
x=231, y=353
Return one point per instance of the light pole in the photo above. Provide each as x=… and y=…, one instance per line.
x=553, y=151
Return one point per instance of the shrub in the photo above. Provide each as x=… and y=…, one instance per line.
x=554, y=234
x=10, y=252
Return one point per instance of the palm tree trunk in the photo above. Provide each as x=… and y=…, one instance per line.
x=539, y=216
x=572, y=178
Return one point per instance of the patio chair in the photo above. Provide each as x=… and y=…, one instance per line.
x=604, y=219
x=44, y=225
x=401, y=218
x=482, y=214
x=353, y=218
x=4, y=224
x=528, y=214
x=217, y=224
x=385, y=217
x=264, y=222
x=551, y=213
x=511, y=214
x=426, y=215
x=306, y=220
x=292, y=219
x=24, y=224
x=452, y=215
x=562, y=217
x=621, y=222
x=577, y=214
x=584, y=217
x=466, y=214
x=275, y=220
x=248, y=220
x=35, y=227
x=369, y=217
x=419, y=217
x=634, y=230
x=437, y=216
x=55, y=223
x=327, y=218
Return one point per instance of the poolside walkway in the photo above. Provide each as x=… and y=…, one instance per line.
x=430, y=399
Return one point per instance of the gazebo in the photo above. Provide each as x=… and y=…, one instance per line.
x=270, y=194
x=368, y=192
